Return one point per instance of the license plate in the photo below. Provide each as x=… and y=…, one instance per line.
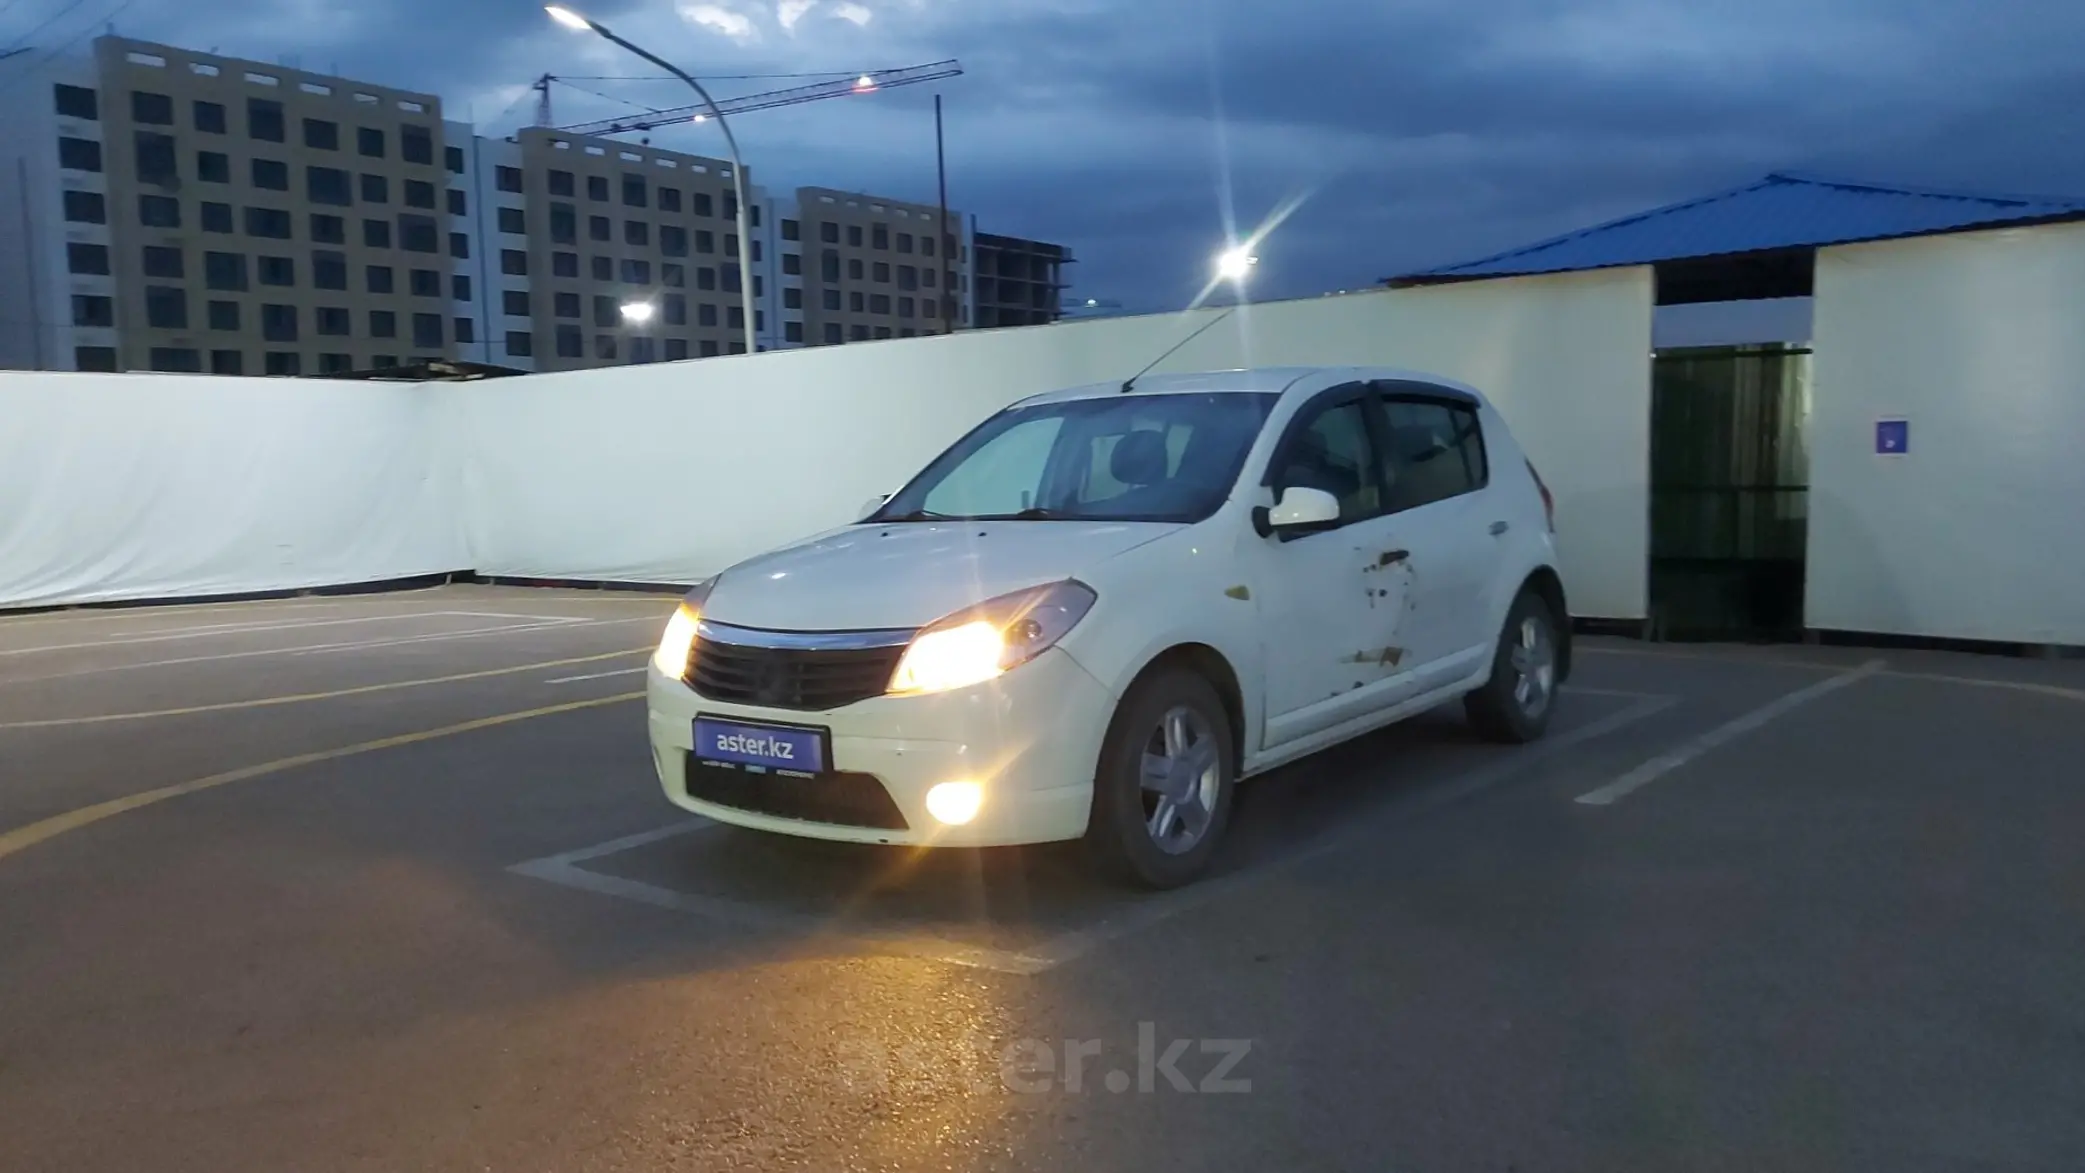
x=797, y=750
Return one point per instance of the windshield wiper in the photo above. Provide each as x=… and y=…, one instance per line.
x=918, y=515
x=1032, y=513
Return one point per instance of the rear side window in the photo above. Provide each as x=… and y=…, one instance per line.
x=1436, y=451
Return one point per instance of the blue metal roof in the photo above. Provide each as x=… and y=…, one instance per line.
x=1783, y=210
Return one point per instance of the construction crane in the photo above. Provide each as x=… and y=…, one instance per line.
x=866, y=83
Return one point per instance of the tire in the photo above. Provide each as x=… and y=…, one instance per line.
x=1514, y=706
x=1174, y=710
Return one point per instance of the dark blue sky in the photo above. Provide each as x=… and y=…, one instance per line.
x=1133, y=130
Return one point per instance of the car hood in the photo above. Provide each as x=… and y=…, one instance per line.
x=902, y=575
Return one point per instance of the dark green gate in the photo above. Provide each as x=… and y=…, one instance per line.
x=1729, y=492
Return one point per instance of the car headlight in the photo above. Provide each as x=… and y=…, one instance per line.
x=672, y=657
x=978, y=643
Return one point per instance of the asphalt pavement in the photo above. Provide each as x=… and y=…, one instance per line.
x=385, y=882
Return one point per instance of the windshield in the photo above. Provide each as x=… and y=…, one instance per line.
x=1120, y=458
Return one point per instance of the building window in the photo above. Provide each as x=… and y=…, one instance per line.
x=705, y=242
x=882, y=273
x=730, y=205
x=706, y=348
x=321, y=135
x=224, y=315
x=416, y=144
x=264, y=120
x=676, y=309
x=831, y=298
x=369, y=142
x=383, y=362
x=520, y=343
x=561, y=183
x=791, y=229
x=858, y=302
x=272, y=223
x=331, y=320
x=700, y=202
x=466, y=330
x=86, y=207
x=792, y=331
x=854, y=236
x=379, y=279
x=926, y=246
x=383, y=324
x=514, y=303
x=564, y=224
x=829, y=232
x=417, y=234
x=792, y=298
x=728, y=278
x=76, y=102
x=565, y=305
x=419, y=194
x=731, y=244
x=459, y=246
x=93, y=310
x=673, y=239
x=209, y=117
x=329, y=270
x=879, y=238
x=284, y=363
x=166, y=307
x=87, y=259
x=453, y=157
x=177, y=359
x=673, y=276
x=926, y=278
x=217, y=217
x=458, y=204
x=705, y=314
x=879, y=303
x=597, y=188
x=335, y=364
x=637, y=272
x=908, y=277
x=150, y=109
x=904, y=242
x=376, y=234
x=705, y=278
x=271, y=175
x=227, y=362
x=213, y=167
x=376, y=189
x=599, y=228
x=424, y=283
x=855, y=270
x=634, y=191
x=904, y=307
x=507, y=179
x=642, y=349
x=735, y=317
x=882, y=332
x=569, y=343
x=792, y=264
x=94, y=358
x=161, y=261
x=79, y=154
x=511, y=221
x=280, y=271
x=676, y=348
x=607, y=312
x=564, y=265
x=603, y=268
x=832, y=334
x=427, y=331
x=669, y=199
x=459, y=287
x=926, y=307
x=513, y=262
x=604, y=347
x=155, y=157
x=328, y=185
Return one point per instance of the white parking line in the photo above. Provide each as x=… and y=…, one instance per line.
x=564, y=869
x=1665, y=763
x=214, y=629
x=594, y=676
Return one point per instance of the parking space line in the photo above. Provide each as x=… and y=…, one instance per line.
x=106, y=612
x=294, y=698
x=512, y=615
x=22, y=838
x=1707, y=657
x=1671, y=760
x=209, y=630
x=564, y=869
x=2056, y=690
x=594, y=676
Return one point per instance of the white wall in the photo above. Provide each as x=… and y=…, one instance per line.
x=163, y=486
x=673, y=471
x=1978, y=530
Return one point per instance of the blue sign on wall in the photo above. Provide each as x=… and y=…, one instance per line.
x=1892, y=437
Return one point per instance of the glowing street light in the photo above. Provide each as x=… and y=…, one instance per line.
x=638, y=313
x=568, y=18
x=1234, y=264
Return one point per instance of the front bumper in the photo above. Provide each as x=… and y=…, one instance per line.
x=1031, y=738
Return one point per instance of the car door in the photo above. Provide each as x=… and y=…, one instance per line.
x=1439, y=497
x=1330, y=600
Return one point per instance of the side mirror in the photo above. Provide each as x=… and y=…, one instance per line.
x=871, y=506
x=1302, y=509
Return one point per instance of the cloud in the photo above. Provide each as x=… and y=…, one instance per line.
x=788, y=12
x=853, y=14
x=737, y=26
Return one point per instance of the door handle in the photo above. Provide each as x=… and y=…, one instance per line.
x=1499, y=527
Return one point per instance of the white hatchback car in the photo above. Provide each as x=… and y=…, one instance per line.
x=1102, y=608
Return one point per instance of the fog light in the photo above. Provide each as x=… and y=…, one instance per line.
x=955, y=803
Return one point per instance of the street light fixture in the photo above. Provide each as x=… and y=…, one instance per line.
x=639, y=313
x=1235, y=264
x=576, y=22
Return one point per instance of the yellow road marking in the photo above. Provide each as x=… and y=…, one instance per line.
x=22, y=838
x=296, y=698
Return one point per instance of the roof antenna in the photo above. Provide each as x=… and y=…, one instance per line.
x=1129, y=384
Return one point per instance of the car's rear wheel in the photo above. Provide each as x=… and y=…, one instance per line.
x=1162, y=792
x=1515, y=704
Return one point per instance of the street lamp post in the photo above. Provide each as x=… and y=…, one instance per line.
x=572, y=20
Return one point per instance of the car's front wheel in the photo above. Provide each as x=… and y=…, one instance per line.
x=1162, y=792
x=1514, y=705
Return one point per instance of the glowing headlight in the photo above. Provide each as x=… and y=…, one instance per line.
x=672, y=657
x=979, y=643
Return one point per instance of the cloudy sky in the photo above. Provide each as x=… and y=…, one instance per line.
x=1141, y=132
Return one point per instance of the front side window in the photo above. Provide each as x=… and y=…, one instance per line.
x=1332, y=452
x=1167, y=457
